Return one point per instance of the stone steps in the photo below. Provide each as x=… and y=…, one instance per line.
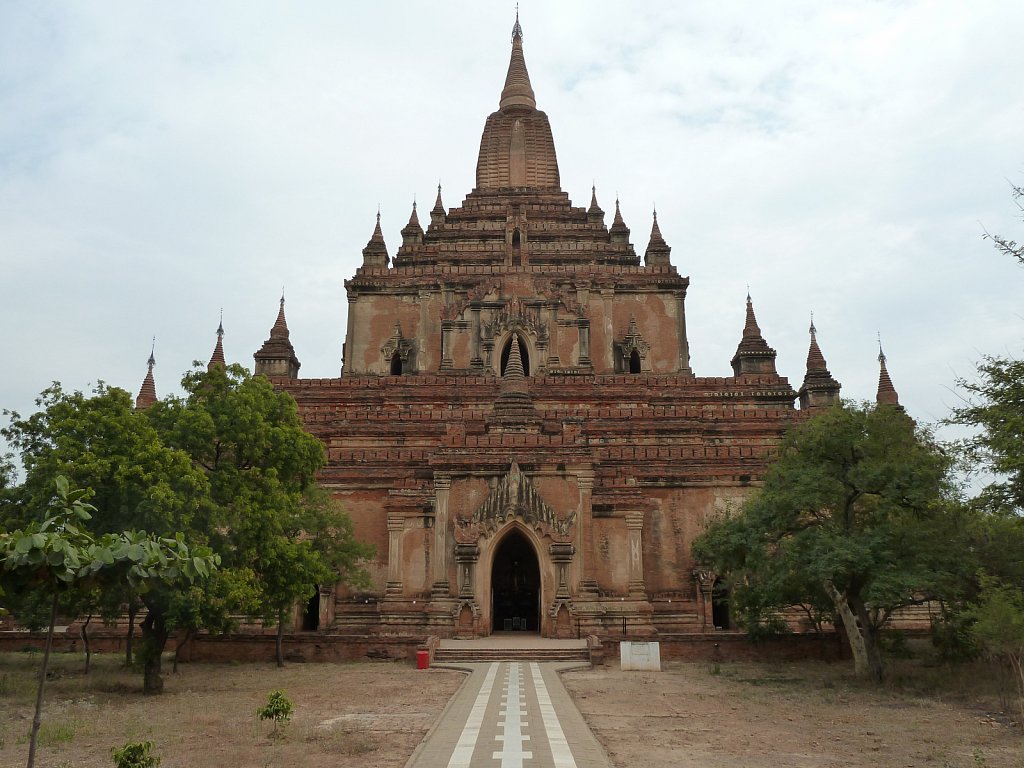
x=455, y=655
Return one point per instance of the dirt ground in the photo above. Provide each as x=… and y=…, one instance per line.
x=346, y=715
x=806, y=715
x=731, y=715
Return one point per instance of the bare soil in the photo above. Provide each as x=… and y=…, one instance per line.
x=729, y=715
x=804, y=714
x=346, y=715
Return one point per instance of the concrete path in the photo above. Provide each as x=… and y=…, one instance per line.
x=511, y=714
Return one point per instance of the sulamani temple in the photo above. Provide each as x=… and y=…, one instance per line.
x=516, y=426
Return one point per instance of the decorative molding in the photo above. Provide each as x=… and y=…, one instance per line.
x=512, y=497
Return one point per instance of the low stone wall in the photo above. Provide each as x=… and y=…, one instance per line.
x=313, y=647
x=735, y=646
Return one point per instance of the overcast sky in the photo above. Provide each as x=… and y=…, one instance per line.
x=160, y=161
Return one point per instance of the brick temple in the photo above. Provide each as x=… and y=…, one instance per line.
x=516, y=426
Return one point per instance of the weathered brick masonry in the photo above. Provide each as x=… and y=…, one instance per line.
x=517, y=427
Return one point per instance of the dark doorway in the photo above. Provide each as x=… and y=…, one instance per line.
x=515, y=586
x=396, y=364
x=634, y=362
x=311, y=613
x=720, y=605
x=523, y=354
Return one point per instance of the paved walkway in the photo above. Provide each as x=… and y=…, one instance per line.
x=511, y=714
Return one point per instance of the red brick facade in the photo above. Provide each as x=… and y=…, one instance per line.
x=516, y=427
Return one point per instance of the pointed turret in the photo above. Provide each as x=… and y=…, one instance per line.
x=619, y=231
x=217, y=358
x=819, y=389
x=147, y=393
x=658, y=250
x=594, y=213
x=412, y=233
x=886, y=391
x=753, y=355
x=277, y=355
x=437, y=213
x=517, y=91
x=375, y=254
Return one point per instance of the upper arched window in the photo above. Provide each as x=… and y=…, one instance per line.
x=396, y=364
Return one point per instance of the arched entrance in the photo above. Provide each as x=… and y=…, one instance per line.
x=515, y=586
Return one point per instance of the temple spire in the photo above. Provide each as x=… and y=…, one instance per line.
x=147, y=393
x=819, y=389
x=375, y=254
x=277, y=355
x=887, y=394
x=437, y=213
x=658, y=250
x=594, y=213
x=217, y=358
x=412, y=233
x=619, y=231
x=753, y=355
x=517, y=91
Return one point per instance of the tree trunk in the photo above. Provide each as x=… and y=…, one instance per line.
x=154, y=639
x=865, y=654
x=177, y=649
x=37, y=719
x=279, y=650
x=84, y=632
x=133, y=610
x=870, y=638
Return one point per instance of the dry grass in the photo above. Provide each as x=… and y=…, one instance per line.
x=802, y=714
x=371, y=714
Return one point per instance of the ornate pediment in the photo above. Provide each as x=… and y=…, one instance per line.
x=397, y=343
x=516, y=315
x=514, y=496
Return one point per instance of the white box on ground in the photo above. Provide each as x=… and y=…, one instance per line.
x=640, y=656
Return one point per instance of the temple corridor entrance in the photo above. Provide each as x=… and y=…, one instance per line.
x=515, y=586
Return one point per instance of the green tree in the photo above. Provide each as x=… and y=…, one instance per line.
x=100, y=442
x=59, y=556
x=273, y=522
x=854, y=514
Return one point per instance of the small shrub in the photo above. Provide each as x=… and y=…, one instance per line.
x=278, y=708
x=135, y=754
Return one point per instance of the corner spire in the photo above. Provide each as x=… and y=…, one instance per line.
x=819, y=388
x=886, y=394
x=412, y=233
x=375, y=254
x=438, y=216
x=594, y=213
x=517, y=91
x=753, y=355
x=658, y=250
x=619, y=231
x=147, y=393
x=217, y=358
x=277, y=355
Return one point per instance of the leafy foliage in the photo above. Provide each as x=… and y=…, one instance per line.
x=278, y=708
x=228, y=467
x=135, y=754
x=853, y=522
x=60, y=556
